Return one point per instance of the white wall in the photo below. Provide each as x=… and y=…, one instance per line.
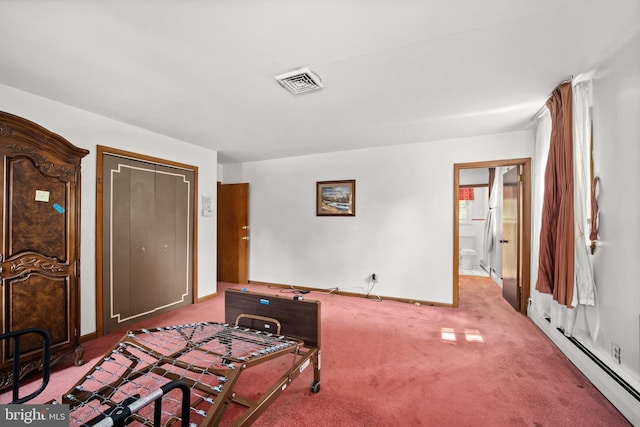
x=403, y=228
x=474, y=176
x=87, y=130
x=616, y=114
x=616, y=129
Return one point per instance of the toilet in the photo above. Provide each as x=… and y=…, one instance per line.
x=467, y=253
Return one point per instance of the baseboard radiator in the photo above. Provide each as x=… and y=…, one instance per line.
x=606, y=380
x=617, y=378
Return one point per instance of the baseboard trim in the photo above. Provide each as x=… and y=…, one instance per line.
x=88, y=337
x=206, y=297
x=612, y=387
x=337, y=291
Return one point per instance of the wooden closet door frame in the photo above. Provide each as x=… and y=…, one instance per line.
x=101, y=151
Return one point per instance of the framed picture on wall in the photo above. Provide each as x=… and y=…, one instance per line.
x=336, y=198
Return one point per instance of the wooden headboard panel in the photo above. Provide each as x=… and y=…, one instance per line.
x=298, y=318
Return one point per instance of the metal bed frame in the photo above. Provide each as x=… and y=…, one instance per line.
x=17, y=373
x=205, y=361
x=117, y=417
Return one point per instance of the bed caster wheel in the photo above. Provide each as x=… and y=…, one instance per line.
x=315, y=387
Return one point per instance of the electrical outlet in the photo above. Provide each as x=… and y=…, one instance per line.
x=615, y=350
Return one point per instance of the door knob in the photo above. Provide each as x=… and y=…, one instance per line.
x=245, y=238
x=504, y=241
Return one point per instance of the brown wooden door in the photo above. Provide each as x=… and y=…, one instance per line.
x=40, y=209
x=510, y=227
x=147, y=240
x=233, y=233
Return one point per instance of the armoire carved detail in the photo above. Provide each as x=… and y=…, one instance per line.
x=32, y=263
x=43, y=163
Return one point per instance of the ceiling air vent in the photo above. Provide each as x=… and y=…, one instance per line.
x=300, y=80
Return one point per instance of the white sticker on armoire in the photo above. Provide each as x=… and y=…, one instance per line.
x=42, y=196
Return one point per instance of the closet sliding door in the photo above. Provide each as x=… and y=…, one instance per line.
x=147, y=239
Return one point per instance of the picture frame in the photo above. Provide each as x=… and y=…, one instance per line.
x=336, y=198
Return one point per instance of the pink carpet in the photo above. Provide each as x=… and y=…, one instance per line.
x=390, y=363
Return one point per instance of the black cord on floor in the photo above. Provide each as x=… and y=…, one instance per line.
x=368, y=296
x=293, y=290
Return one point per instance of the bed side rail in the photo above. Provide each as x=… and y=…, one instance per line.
x=46, y=361
x=118, y=415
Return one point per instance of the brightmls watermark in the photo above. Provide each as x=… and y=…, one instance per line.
x=34, y=415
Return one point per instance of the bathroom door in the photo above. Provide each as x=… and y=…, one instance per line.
x=510, y=236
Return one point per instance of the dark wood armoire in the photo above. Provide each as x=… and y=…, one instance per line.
x=40, y=253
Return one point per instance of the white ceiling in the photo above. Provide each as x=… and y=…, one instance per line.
x=394, y=71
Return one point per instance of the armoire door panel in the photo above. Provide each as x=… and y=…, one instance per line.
x=37, y=214
x=51, y=296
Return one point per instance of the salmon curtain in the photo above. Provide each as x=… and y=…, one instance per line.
x=466, y=193
x=556, y=258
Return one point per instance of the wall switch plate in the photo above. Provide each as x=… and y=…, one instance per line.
x=207, y=210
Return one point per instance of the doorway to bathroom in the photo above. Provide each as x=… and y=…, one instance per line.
x=473, y=210
x=492, y=223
